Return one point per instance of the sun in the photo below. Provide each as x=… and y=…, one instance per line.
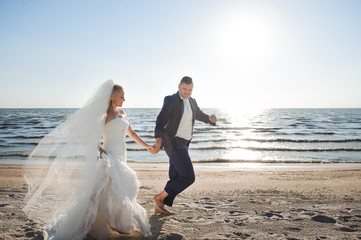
x=245, y=46
x=246, y=34
x=245, y=38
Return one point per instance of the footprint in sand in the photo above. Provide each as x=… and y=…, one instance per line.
x=323, y=219
x=345, y=218
x=304, y=212
x=242, y=235
x=273, y=215
x=239, y=235
x=293, y=229
x=347, y=229
x=236, y=213
x=173, y=236
x=205, y=198
x=239, y=223
x=209, y=207
x=355, y=218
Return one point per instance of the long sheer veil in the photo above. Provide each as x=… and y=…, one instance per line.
x=61, y=170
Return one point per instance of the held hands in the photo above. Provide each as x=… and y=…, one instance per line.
x=151, y=149
x=158, y=142
x=213, y=118
x=156, y=147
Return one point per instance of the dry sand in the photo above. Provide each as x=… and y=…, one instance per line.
x=245, y=203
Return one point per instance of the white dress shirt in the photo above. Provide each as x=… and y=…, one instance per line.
x=185, y=126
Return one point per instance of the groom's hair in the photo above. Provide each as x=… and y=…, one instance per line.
x=186, y=80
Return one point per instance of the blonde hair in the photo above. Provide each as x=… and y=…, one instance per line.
x=116, y=89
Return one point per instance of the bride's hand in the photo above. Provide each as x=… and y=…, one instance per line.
x=151, y=150
x=101, y=151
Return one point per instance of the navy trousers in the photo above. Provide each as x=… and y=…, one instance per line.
x=181, y=172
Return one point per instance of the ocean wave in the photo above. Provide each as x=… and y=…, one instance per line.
x=14, y=154
x=30, y=143
x=259, y=161
x=254, y=129
x=344, y=149
x=299, y=161
x=10, y=126
x=302, y=140
x=324, y=133
x=280, y=149
x=146, y=135
x=136, y=149
x=25, y=136
x=265, y=140
x=206, y=129
x=44, y=127
x=151, y=162
x=266, y=129
x=34, y=122
x=214, y=140
x=59, y=117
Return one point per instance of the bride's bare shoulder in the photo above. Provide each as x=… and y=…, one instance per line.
x=121, y=113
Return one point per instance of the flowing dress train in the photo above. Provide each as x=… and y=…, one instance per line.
x=113, y=201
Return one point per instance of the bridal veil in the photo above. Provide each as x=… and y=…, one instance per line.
x=63, y=165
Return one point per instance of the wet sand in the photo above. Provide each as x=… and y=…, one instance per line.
x=322, y=202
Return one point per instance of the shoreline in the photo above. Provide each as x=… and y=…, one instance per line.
x=226, y=203
x=235, y=165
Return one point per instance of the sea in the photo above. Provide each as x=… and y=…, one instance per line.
x=267, y=137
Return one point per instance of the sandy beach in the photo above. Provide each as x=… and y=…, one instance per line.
x=322, y=202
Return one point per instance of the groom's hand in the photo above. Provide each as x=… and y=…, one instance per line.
x=213, y=119
x=156, y=148
x=157, y=145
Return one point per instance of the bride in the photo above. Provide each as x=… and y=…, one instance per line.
x=75, y=190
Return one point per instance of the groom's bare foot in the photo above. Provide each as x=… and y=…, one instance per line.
x=158, y=210
x=158, y=201
x=168, y=212
x=163, y=211
x=159, y=205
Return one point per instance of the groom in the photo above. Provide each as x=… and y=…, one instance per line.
x=173, y=131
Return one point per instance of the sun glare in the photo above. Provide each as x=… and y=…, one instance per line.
x=247, y=34
x=245, y=38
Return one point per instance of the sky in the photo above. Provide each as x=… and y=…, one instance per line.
x=240, y=54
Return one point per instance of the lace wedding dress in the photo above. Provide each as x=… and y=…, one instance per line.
x=79, y=192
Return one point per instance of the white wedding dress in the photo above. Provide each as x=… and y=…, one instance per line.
x=113, y=202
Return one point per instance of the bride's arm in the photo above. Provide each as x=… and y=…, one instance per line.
x=101, y=151
x=133, y=135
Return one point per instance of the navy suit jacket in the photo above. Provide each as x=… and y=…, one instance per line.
x=170, y=116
